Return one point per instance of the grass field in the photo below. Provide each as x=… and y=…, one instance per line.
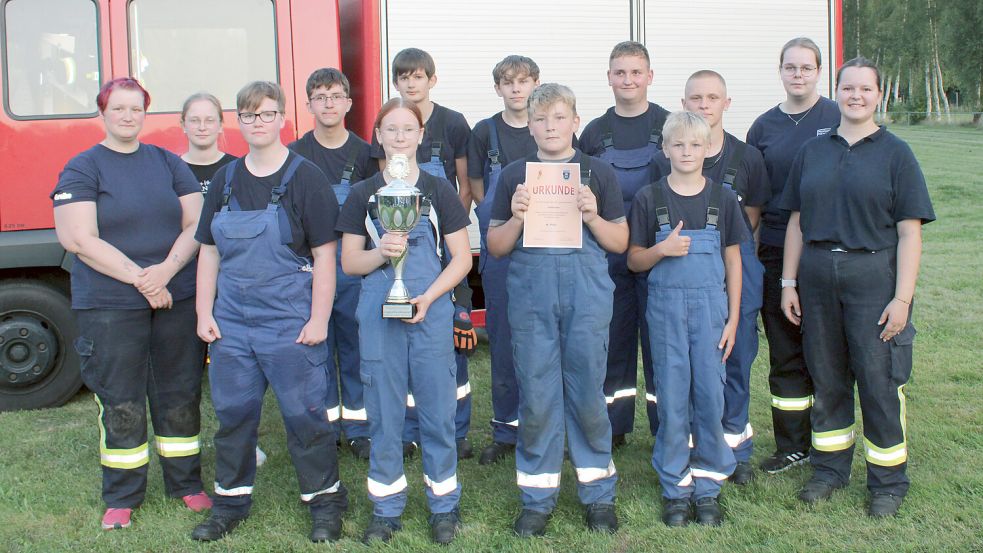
x=50, y=476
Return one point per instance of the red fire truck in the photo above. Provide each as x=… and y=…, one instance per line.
x=56, y=53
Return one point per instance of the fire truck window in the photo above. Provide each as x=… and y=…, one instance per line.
x=179, y=47
x=52, y=62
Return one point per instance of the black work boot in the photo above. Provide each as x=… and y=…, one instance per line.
x=444, y=526
x=360, y=448
x=216, y=527
x=530, y=523
x=464, y=449
x=325, y=527
x=494, y=452
x=708, y=511
x=676, y=512
x=743, y=473
x=816, y=490
x=884, y=504
x=381, y=528
x=601, y=517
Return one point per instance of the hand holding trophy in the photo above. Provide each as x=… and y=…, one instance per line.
x=399, y=212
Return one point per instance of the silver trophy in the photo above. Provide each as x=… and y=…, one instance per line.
x=399, y=211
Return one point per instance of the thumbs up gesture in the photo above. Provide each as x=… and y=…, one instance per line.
x=675, y=245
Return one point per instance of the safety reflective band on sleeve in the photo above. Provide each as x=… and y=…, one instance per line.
x=651, y=397
x=233, y=492
x=514, y=423
x=124, y=458
x=410, y=402
x=734, y=440
x=306, y=497
x=177, y=447
x=834, y=440
x=545, y=480
x=378, y=489
x=687, y=480
x=620, y=394
x=334, y=413
x=700, y=473
x=353, y=414
x=585, y=475
x=464, y=390
x=791, y=403
x=441, y=488
x=885, y=457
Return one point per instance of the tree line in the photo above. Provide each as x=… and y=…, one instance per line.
x=930, y=52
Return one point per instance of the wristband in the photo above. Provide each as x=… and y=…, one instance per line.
x=902, y=301
x=788, y=282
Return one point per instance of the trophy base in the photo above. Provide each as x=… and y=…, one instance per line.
x=398, y=310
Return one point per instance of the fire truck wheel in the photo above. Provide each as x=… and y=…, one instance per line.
x=38, y=363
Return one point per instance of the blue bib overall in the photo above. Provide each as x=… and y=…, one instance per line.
x=559, y=310
x=263, y=301
x=462, y=416
x=632, y=170
x=399, y=358
x=686, y=312
x=343, y=341
x=737, y=389
x=505, y=391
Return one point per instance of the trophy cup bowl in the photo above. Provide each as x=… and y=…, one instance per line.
x=399, y=211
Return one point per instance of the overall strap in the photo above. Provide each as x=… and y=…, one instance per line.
x=493, y=150
x=436, y=133
x=607, y=140
x=283, y=221
x=730, y=175
x=604, y=126
x=348, y=173
x=661, y=207
x=372, y=212
x=655, y=137
x=585, y=174
x=226, y=179
x=713, y=209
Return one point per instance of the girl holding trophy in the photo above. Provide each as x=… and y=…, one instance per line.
x=394, y=226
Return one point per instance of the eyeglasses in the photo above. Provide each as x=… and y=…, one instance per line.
x=805, y=70
x=394, y=131
x=323, y=98
x=264, y=116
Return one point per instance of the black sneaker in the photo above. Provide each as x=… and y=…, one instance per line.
x=325, y=527
x=816, y=490
x=617, y=441
x=360, y=448
x=216, y=527
x=494, y=452
x=781, y=461
x=464, y=449
x=444, y=526
x=676, y=512
x=601, y=517
x=743, y=473
x=884, y=504
x=409, y=450
x=381, y=528
x=530, y=523
x=708, y=511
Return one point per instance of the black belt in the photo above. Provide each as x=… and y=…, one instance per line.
x=838, y=247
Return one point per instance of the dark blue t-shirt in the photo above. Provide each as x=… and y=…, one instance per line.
x=332, y=161
x=513, y=143
x=776, y=135
x=627, y=133
x=137, y=211
x=855, y=195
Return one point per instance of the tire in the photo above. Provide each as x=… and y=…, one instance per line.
x=38, y=363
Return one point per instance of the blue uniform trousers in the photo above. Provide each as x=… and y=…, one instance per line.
x=737, y=388
x=686, y=312
x=559, y=311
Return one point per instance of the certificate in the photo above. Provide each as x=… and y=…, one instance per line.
x=553, y=219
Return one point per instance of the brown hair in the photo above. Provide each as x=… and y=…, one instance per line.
x=253, y=94
x=630, y=48
x=393, y=105
x=547, y=94
x=409, y=60
x=327, y=77
x=860, y=61
x=513, y=66
x=208, y=97
x=708, y=73
x=802, y=42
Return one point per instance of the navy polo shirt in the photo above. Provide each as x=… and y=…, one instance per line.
x=855, y=195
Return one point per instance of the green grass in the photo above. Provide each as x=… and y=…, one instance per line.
x=50, y=476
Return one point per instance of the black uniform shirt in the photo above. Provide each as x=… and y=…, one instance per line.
x=610, y=205
x=310, y=203
x=443, y=199
x=456, y=135
x=204, y=173
x=691, y=210
x=627, y=133
x=513, y=143
x=778, y=138
x=331, y=161
x=855, y=195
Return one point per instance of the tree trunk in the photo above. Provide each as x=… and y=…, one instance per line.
x=857, y=26
x=928, y=92
x=886, y=98
x=897, y=84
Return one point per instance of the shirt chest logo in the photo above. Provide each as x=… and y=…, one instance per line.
x=820, y=132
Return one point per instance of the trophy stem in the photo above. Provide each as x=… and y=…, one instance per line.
x=399, y=293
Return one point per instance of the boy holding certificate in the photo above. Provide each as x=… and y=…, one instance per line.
x=686, y=230
x=560, y=303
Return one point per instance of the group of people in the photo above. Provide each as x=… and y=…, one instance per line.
x=279, y=263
